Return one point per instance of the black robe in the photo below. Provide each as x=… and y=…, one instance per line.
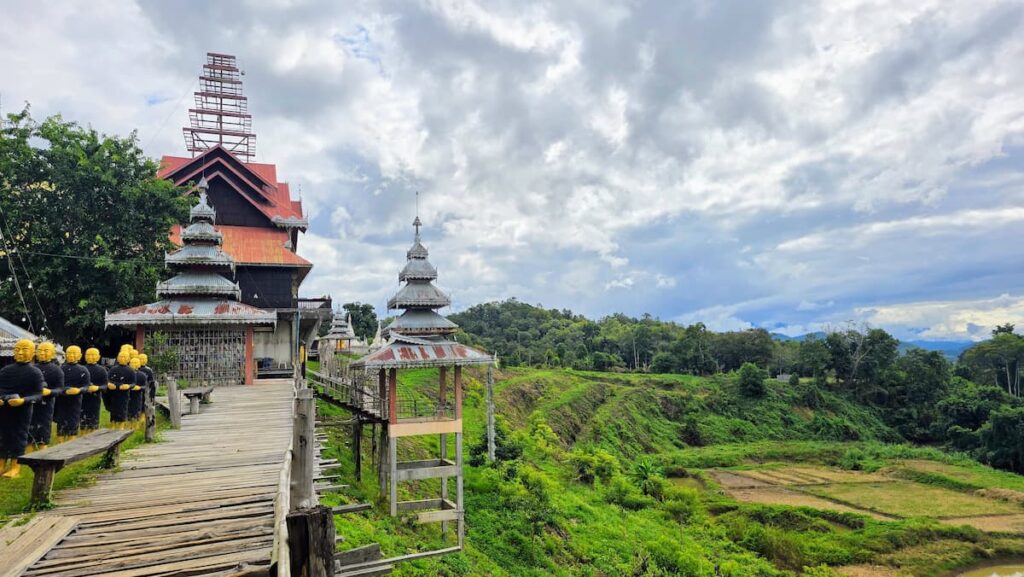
x=138, y=398
x=91, y=401
x=41, y=429
x=117, y=400
x=23, y=380
x=68, y=411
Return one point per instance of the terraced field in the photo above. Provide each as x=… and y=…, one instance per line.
x=977, y=500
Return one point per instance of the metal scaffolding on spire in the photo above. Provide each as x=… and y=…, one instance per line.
x=221, y=115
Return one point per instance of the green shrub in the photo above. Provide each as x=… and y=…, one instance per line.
x=681, y=503
x=620, y=491
x=590, y=464
x=752, y=380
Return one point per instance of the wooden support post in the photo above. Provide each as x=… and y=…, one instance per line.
x=458, y=458
x=311, y=541
x=303, y=451
x=150, y=418
x=458, y=486
x=173, y=402
x=382, y=459
x=250, y=366
x=458, y=392
x=393, y=473
x=490, y=413
x=444, y=480
x=442, y=402
x=193, y=405
x=373, y=444
x=357, y=448
x=42, y=483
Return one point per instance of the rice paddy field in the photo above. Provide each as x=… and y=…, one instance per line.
x=953, y=494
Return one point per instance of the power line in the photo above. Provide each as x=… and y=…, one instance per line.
x=35, y=295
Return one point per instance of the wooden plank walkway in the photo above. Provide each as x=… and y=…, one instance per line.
x=199, y=503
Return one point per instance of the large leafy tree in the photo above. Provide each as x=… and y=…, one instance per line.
x=998, y=360
x=85, y=223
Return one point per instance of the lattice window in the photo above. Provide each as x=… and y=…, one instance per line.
x=208, y=356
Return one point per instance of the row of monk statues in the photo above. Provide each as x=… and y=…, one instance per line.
x=36, y=392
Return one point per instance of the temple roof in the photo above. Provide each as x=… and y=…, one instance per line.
x=202, y=211
x=256, y=182
x=11, y=333
x=341, y=329
x=199, y=255
x=249, y=245
x=404, y=352
x=417, y=269
x=198, y=283
x=419, y=293
x=421, y=322
x=201, y=232
x=192, y=311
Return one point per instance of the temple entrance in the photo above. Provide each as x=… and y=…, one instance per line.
x=207, y=356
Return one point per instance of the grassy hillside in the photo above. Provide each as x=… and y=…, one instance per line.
x=610, y=474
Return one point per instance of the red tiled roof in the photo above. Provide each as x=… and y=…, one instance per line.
x=254, y=245
x=264, y=182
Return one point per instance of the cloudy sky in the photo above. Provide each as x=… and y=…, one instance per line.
x=779, y=164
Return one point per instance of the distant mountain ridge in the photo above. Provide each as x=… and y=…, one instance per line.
x=950, y=349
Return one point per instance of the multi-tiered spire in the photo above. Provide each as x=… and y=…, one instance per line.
x=419, y=298
x=201, y=291
x=200, y=262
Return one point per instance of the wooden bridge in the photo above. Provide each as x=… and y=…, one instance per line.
x=199, y=503
x=231, y=493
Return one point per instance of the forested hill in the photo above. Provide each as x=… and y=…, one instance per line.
x=968, y=405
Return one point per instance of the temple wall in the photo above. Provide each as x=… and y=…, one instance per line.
x=276, y=344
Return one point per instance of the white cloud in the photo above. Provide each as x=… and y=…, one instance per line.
x=801, y=160
x=949, y=320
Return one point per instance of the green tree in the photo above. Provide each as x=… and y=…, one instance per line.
x=752, y=380
x=997, y=361
x=1002, y=439
x=364, y=319
x=649, y=477
x=85, y=222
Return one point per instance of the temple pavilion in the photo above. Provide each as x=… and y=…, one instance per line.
x=200, y=310
x=340, y=336
x=420, y=337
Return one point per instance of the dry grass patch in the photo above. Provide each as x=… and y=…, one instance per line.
x=992, y=523
x=907, y=499
x=793, y=498
x=730, y=480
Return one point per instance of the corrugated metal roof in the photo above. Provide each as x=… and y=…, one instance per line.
x=195, y=254
x=11, y=333
x=253, y=245
x=417, y=269
x=419, y=321
x=202, y=283
x=191, y=312
x=404, y=352
x=202, y=232
x=419, y=294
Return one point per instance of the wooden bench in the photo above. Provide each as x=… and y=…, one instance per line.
x=194, y=396
x=47, y=462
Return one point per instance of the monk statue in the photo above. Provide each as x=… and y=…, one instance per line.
x=67, y=412
x=122, y=379
x=93, y=395
x=42, y=415
x=21, y=385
